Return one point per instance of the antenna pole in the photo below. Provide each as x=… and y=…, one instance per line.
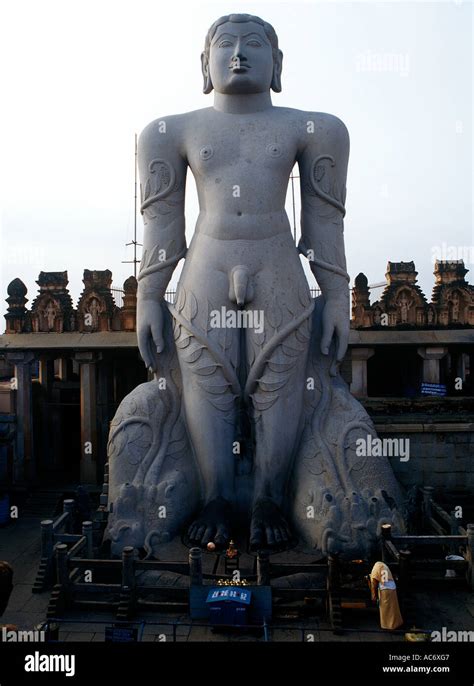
x=135, y=207
x=135, y=216
x=292, y=179
x=293, y=207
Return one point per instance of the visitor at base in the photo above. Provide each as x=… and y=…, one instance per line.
x=383, y=585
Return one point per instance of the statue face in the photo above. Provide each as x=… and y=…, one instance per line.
x=241, y=59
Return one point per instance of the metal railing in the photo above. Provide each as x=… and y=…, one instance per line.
x=170, y=295
x=57, y=532
x=306, y=633
x=117, y=294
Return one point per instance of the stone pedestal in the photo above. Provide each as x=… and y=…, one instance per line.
x=359, y=358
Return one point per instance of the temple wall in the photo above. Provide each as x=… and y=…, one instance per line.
x=438, y=457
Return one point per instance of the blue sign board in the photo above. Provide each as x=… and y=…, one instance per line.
x=118, y=634
x=235, y=594
x=433, y=389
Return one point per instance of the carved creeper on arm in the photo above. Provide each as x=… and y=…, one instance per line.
x=323, y=163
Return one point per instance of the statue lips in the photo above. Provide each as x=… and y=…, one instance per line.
x=238, y=68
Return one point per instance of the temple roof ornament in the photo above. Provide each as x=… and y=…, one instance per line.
x=52, y=309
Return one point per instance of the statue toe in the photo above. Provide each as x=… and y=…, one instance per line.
x=212, y=525
x=268, y=528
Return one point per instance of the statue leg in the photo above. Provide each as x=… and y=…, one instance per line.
x=275, y=385
x=208, y=358
x=277, y=430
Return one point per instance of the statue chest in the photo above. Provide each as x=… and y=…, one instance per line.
x=242, y=150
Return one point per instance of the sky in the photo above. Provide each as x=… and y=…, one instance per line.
x=80, y=79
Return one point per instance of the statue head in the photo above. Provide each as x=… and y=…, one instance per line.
x=241, y=55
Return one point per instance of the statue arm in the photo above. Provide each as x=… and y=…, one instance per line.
x=162, y=169
x=323, y=170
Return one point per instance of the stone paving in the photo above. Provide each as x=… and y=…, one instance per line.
x=20, y=546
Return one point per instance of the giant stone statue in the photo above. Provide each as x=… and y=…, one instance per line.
x=247, y=424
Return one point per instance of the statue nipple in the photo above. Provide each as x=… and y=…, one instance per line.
x=240, y=286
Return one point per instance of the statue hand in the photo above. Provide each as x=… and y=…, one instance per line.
x=335, y=321
x=150, y=331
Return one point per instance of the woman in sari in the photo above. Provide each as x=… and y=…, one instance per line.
x=383, y=585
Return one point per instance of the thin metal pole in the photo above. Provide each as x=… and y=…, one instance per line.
x=135, y=214
x=293, y=204
x=135, y=208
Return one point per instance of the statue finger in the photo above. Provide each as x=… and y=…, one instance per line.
x=328, y=332
x=277, y=534
x=334, y=367
x=151, y=355
x=143, y=347
x=146, y=348
x=157, y=338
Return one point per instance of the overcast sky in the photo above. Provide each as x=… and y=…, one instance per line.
x=80, y=78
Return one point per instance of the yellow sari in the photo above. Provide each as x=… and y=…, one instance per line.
x=381, y=579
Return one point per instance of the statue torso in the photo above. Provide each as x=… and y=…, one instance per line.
x=242, y=164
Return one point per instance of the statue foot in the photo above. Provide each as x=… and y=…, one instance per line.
x=212, y=525
x=268, y=528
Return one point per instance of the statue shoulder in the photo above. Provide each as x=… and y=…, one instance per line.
x=169, y=133
x=323, y=132
x=163, y=134
x=327, y=127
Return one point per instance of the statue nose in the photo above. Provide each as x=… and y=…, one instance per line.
x=239, y=56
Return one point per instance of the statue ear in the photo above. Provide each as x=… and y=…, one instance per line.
x=207, y=86
x=277, y=67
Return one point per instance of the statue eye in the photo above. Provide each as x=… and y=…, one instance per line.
x=225, y=44
x=254, y=44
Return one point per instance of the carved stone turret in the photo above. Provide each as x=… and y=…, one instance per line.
x=17, y=314
x=402, y=302
x=52, y=309
x=128, y=312
x=452, y=296
x=96, y=309
x=361, y=315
